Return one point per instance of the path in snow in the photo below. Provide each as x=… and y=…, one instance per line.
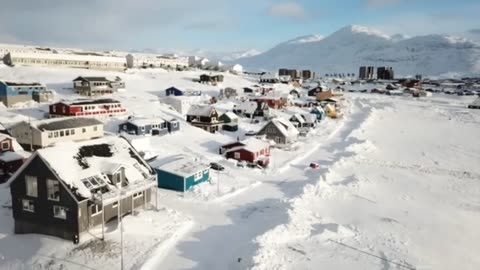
x=223, y=236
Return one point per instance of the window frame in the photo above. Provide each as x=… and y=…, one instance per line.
x=35, y=186
x=98, y=209
x=31, y=204
x=8, y=145
x=59, y=209
x=53, y=185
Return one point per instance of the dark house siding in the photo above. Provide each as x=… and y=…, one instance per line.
x=42, y=220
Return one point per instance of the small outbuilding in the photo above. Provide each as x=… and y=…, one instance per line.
x=230, y=121
x=182, y=174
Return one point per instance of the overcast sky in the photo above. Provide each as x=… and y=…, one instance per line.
x=221, y=25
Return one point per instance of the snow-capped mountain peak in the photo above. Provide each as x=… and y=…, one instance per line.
x=353, y=46
x=305, y=39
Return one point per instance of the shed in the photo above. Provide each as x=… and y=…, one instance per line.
x=230, y=121
x=182, y=174
x=173, y=91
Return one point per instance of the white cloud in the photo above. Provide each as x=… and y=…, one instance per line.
x=288, y=9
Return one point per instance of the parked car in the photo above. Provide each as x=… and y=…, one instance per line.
x=216, y=167
x=250, y=133
x=314, y=165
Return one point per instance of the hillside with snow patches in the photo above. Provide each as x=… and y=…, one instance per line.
x=353, y=46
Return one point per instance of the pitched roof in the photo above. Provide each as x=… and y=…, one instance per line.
x=73, y=162
x=230, y=115
x=285, y=127
x=65, y=123
x=299, y=118
x=246, y=106
x=476, y=102
x=22, y=84
x=201, y=110
x=309, y=118
x=255, y=145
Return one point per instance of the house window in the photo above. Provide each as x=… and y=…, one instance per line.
x=95, y=128
x=175, y=124
x=50, y=135
x=115, y=205
x=84, y=130
x=62, y=133
x=137, y=195
x=198, y=176
x=67, y=132
x=55, y=134
x=205, y=171
x=5, y=145
x=72, y=132
x=28, y=206
x=53, y=190
x=236, y=155
x=31, y=182
x=59, y=212
x=96, y=209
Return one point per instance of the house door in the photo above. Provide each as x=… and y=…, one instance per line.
x=155, y=132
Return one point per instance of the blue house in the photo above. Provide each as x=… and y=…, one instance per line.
x=319, y=112
x=149, y=126
x=182, y=174
x=11, y=92
x=173, y=91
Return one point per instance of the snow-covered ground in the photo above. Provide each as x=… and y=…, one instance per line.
x=398, y=187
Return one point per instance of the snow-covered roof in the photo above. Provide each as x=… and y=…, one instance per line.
x=90, y=101
x=64, y=123
x=143, y=121
x=201, y=110
x=285, y=127
x=184, y=167
x=11, y=156
x=255, y=145
x=73, y=162
x=309, y=118
x=71, y=57
x=299, y=118
x=246, y=106
x=231, y=115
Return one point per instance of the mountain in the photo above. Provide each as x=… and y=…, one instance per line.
x=353, y=46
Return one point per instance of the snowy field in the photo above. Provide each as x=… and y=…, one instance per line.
x=398, y=188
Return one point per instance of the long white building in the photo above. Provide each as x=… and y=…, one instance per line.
x=156, y=61
x=65, y=60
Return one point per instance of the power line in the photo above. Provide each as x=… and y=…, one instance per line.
x=373, y=255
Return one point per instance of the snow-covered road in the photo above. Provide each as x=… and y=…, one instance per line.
x=224, y=234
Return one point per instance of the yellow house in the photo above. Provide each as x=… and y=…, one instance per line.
x=332, y=112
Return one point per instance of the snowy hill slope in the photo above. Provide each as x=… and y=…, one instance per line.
x=352, y=46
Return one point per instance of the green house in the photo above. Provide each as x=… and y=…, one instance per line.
x=182, y=174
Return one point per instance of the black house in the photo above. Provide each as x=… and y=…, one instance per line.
x=65, y=190
x=204, y=117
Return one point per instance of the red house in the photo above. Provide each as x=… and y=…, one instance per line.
x=252, y=151
x=274, y=102
x=12, y=156
x=97, y=107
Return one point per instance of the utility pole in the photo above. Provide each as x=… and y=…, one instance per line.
x=103, y=217
x=218, y=184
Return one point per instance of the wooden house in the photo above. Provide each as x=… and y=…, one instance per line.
x=149, y=126
x=272, y=101
x=66, y=190
x=43, y=133
x=280, y=131
x=95, y=86
x=252, y=150
x=182, y=174
x=12, y=156
x=319, y=112
x=245, y=109
x=211, y=79
x=173, y=91
x=230, y=121
x=205, y=117
x=321, y=96
x=89, y=108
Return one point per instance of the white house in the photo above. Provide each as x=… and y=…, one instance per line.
x=183, y=103
x=44, y=133
x=156, y=61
